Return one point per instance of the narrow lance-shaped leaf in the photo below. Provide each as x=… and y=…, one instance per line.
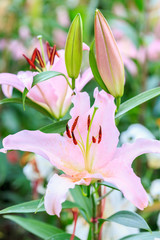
x=38, y=228
x=41, y=77
x=137, y=100
x=28, y=103
x=127, y=218
x=35, y=206
x=58, y=127
x=143, y=236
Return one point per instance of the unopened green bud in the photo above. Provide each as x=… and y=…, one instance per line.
x=73, y=48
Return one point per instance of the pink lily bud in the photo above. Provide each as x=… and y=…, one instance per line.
x=109, y=61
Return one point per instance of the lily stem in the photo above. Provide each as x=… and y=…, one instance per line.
x=94, y=218
x=118, y=102
x=73, y=83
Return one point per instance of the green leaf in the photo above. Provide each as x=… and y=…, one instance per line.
x=41, y=77
x=69, y=204
x=29, y=103
x=35, y=206
x=27, y=207
x=143, y=236
x=129, y=219
x=58, y=127
x=94, y=68
x=38, y=228
x=137, y=100
x=24, y=94
x=3, y=168
x=84, y=202
x=107, y=184
x=62, y=236
x=140, y=4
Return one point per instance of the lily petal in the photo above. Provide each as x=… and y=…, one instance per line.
x=7, y=90
x=130, y=185
x=11, y=80
x=59, y=150
x=56, y=193
x=120, y=173
x=129, y=151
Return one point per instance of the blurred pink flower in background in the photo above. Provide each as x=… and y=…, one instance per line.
x=13, y=157
x=54, y=94
x=59, y=35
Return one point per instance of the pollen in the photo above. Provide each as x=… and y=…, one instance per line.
x=53, y=53
x=39, y=57
x=30, y=62
x=68, y=131
x=88, y=122
x=100, y=135
x=74, y=139
x=74, y=124
x=93, y=139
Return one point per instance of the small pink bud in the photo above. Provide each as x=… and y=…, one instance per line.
x=109, y=61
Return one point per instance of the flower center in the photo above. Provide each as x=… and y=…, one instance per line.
x=39, y=57
x=85, y=148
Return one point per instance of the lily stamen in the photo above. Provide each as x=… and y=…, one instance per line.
x=74, y=124
x=88, y=122
x=100, y=135
x=74, y=139
x=68, y=131
x=41, y=62
x=52, y=56
x=29, y=61
x=93, y=139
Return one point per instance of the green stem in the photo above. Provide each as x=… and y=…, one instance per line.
x=42, y=49
x=73, y=83
x=94, y=218
x=67, y=80
x=118, y=102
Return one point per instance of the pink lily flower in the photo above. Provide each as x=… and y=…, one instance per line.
x=87, y=152
x=54, y=94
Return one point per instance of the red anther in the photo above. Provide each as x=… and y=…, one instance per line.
x=48, y=50
x=52, y=55
x=93, y=139
x=30, y=62
x=40, y=58
x=74, y=124
x=100, y=135
x=68, y=131
x=34, y=55
x=88, y=122
x=57, y=54
x=74, y=139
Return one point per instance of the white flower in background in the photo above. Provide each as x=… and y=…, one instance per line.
x=155, y=189
x=38, y=169
x=136, y=131
x=114, y=202
x=82, y=228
